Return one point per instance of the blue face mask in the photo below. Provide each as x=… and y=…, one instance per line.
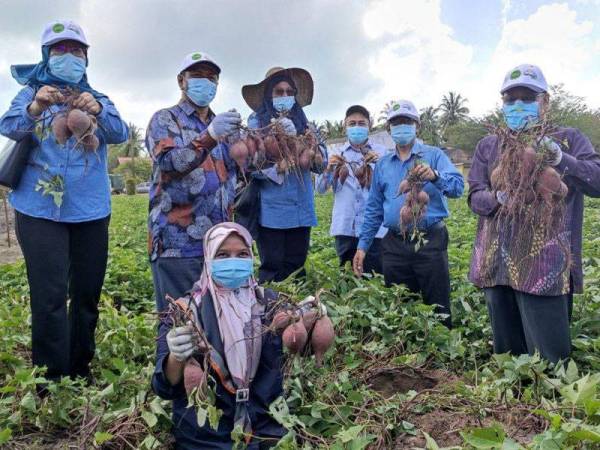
x=67, y=67
x=520, y=115
x=357, y=134
x=404, y=133
x=282, y=104
x=231, y=272
x=201, y=91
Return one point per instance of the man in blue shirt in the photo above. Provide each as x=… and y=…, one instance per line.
x=350, y=197
x=423, y=268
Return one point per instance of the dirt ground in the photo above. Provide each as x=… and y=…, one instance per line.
x=9, y=247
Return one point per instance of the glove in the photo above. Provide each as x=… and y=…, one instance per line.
x=502, y=197
x=181, y=342
x=552, y=148
x=253, y=122
x=224, y=124
x=288, y=126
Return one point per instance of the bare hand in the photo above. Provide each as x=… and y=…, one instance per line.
x=357, y=262
x=46, y=96
x=424, y=172
x=86, y=102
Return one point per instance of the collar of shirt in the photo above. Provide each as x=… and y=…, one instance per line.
x=187, y=107
x=363, y=150
x=415, y=150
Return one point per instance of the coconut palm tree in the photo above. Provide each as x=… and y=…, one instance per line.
x=430, y=126
x=453, y=109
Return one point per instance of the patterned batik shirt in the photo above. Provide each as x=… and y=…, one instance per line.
x=193, y=182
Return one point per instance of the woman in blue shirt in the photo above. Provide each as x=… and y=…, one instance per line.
x=62, y=202
x=287, y=210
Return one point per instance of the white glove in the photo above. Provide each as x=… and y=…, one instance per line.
x=224, y=124
x=552, y=148
x=253, y=122
x=502, y=197
x=181, y=342
x=288, y=126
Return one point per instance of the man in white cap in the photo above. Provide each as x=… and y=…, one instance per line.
x=529, y=273
x=420, y=262
x=193, y=180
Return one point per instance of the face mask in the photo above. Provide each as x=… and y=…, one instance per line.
x=357, y=134
x=67, y=67
x=231, y=272
x=519, y=115
x=282, y=104
x=201, y=91
x=404, y=133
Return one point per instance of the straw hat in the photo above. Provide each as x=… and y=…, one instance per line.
x=254, y=93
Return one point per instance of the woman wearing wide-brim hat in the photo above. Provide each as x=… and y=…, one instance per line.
x=287, y=210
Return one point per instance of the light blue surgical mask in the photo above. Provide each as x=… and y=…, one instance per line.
x=404, y=133
x=67, y=67
x=520, y=115
x=232, y=273
x=357, y=134
x=201, y=91
x=282, y=104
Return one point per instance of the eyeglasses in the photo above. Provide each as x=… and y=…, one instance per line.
x=525, y=98
x=280, y=92
x=61, y=49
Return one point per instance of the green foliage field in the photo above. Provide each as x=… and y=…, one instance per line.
x=395, y=379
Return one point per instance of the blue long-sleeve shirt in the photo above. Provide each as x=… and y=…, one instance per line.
x=350, y=198
x=85, y=174
x=384, y=203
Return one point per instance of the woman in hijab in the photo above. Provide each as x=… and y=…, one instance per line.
x=62, y=202
x=287, y=210
x=246, y=360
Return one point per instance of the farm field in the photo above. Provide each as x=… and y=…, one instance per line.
x=395, y=378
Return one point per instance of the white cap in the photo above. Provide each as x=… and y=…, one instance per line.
x=62, y=30
x=525, y=75
x=402, y=108
x=195, y=58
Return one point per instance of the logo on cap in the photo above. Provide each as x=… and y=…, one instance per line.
x=196, y=56
x=396, y=107
x=515, y=74
x=531, y=74
x=58, y=28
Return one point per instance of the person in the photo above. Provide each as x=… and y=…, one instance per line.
x=529, y=305
x=193, y=177
x=350, y=197
x=62, y=203
x=247, y=362
x=287, y=210
x=423, y=268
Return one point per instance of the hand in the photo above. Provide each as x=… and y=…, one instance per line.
x=253, y=122
x=46, y=96
x=181, y=342
x=357, y=262
x=288, y=126
x=425, y=172
x=86, y=102
x=548, y=145
x=224, y=124
x=502, y=197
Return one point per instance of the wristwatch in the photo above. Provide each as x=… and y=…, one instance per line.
x=437, y=175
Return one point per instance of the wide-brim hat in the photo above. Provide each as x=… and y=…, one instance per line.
x=254, y=93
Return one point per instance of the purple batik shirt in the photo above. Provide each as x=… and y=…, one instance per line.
x=491, y=262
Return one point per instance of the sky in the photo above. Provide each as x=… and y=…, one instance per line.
x=358, y=51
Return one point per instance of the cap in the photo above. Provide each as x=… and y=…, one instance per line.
x=402, y=108
x=525, y=75
x=358, y=109
x=195, y=58
x=62, y=30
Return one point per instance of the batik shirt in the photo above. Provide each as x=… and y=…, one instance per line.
x=193, y=182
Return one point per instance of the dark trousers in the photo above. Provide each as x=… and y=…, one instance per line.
x=174, y=277
x=345, y=247
x=424, y=271
x=523, y=323
x=63, y=260
x=282, y=252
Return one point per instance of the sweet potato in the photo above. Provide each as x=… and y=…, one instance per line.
x=304, y=160
x=343, y=173
x=239, y=153
x=272, y=148
x=309, y=318
x=281, y=320
x=251, y=145
x=550, y=186
x=78, y=122
x=406, y=215
x=90, y=142
x=294, y=337
x=60, y=130
x=322, y=337
x=193, y=376
x=404, y=186
x=423, y=198
x=529, y=160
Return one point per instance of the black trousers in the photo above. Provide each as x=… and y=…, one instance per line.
x=424, y=271
x=282, y=252
x=345, y=247
x=523, y=323
x=63, y=260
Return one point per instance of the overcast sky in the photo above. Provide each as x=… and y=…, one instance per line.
x=357, y=51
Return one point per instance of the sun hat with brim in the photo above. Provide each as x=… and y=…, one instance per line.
x=63, y=30
x=525, y=75
x=403, y=108
x=195, y=58
x=254, y=93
